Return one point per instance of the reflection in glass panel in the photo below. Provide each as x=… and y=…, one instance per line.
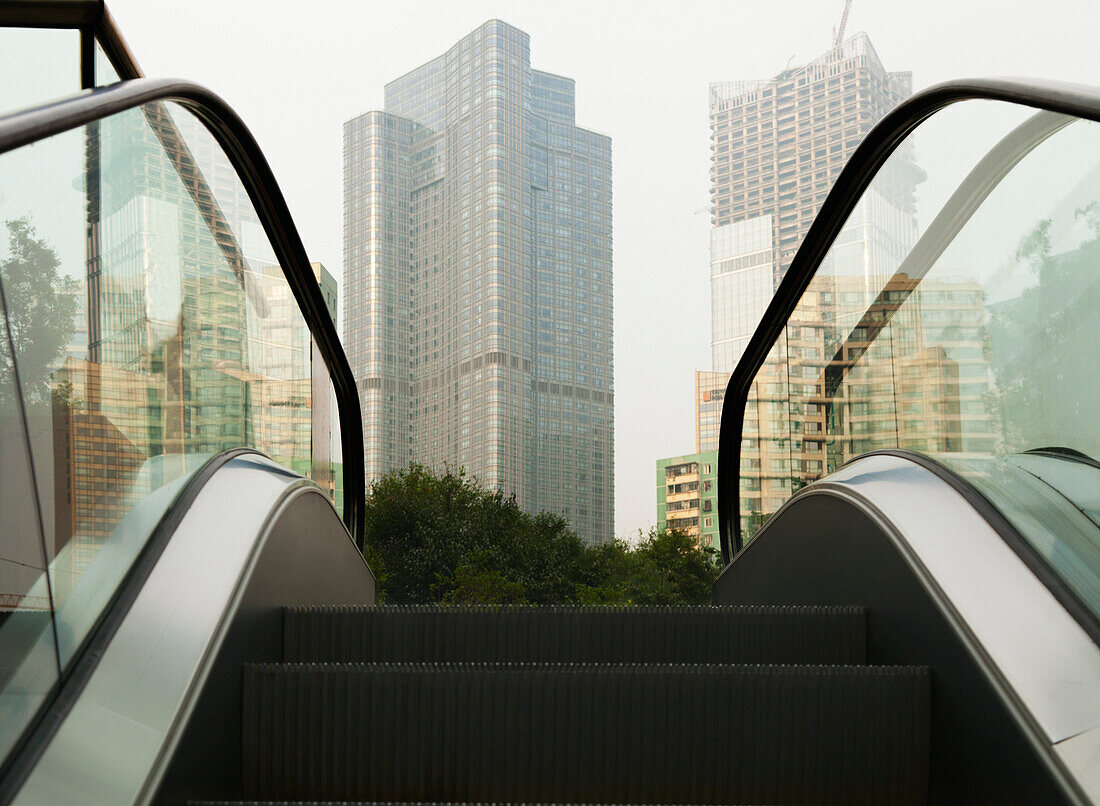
x=336, y=447
x=166, y=333
x=955, y=315
x=28, y=658
x=1046, y=496
x=37, y=65
x=766, y=476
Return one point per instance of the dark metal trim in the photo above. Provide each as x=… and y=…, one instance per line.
x=1065, y=454
x=90, y=17
x=860, y=170
x=50, y=13
x=1069, y=600
x=114, y=45
x=87, y=59
x=233, y=136
x=67, y=689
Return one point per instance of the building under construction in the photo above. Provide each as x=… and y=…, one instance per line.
x=777, y=146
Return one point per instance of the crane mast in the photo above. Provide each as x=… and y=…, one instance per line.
x=838, y=36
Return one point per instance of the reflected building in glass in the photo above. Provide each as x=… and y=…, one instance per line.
x=186, y=340
x=478, y=279
x=905, y=369
x=777, y=146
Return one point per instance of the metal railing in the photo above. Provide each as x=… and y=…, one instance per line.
x=854, y=179
x=95, y=24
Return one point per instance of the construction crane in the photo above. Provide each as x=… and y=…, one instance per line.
x=838, y=32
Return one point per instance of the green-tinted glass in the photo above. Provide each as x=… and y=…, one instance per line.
x=955, y=315
x=28, y=658
x=154, y=329
x=105, y=72
x=37, y=65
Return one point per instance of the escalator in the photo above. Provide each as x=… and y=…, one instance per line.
x=907, y=477
x=561, y=705
x=248, y=537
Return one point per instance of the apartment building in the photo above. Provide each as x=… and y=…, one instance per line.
x=687, y=496
x=777, y=146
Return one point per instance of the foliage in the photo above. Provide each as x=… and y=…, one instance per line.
x=442, y=538
x=41, y=309
x=1042, y=342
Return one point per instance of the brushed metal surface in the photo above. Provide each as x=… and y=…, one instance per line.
x=115, y=742
x=1042, y=652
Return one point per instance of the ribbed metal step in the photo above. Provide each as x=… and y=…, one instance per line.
x=434, y=634
x=590, y=733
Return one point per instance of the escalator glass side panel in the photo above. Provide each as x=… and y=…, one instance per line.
x=765, y=475
x=28, y=654
x=105, y=72
x=327, y=467
x=1078, y=481
x=1052, y=503
x=953, y=315
x=164, y=332
x=37, y=65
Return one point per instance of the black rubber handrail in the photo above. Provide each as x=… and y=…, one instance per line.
x=856, y=176
x=233, y=136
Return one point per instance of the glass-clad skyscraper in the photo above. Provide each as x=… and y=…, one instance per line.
x=477, y=221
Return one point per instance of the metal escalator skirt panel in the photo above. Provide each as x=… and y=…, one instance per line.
x=118, y=735
x=1040, y=657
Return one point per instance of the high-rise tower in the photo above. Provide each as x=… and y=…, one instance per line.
x=477, y=254
x=777, y=146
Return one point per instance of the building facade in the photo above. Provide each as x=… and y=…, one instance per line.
x=687, y=496
x=478, y=279
x=777, y=146
x=710, y=392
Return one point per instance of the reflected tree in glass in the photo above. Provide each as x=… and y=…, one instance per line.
x=1043, y=344
x=41, y=306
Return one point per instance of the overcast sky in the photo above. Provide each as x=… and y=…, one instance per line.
x=296, y=71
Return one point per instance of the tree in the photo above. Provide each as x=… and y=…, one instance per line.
x=41, y=309
x=442, y=538
x=1042, y=343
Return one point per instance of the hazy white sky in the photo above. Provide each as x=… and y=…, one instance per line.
x=296, y=71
